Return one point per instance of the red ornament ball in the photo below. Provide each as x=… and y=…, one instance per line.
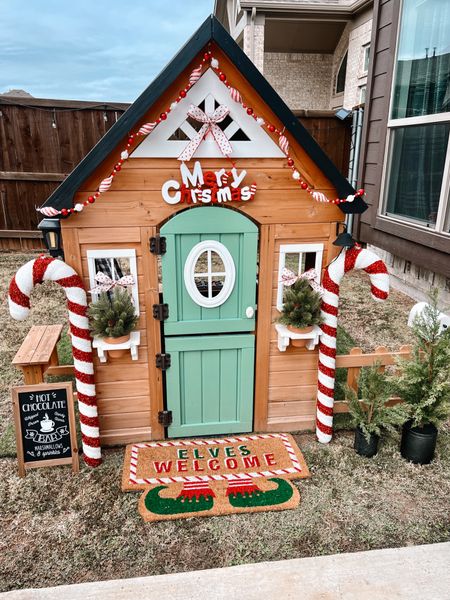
x=117, y=167
x=206, y=55
x=249, y=110
x=91, y=199
x=290, y=162
x=64, y=211
x=360, y=192
x=303, y=185
x=130, y=139
x=222, y=77
x=271, y=128
x=163, y=116
x=183, y=94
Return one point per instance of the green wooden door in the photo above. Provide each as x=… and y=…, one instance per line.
x=209, y=284
x=210, y=384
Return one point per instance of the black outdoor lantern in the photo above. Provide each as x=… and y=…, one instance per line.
x=51, y=232
x=344, y=239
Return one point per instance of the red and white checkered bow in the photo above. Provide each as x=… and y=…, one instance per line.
x=289, y=278
x=106, y=283
x=209, y=125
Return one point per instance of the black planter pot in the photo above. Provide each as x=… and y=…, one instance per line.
x=418, y=443
x=364, y=447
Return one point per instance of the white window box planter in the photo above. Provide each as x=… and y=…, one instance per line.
x=285, y=336
x=132, y=345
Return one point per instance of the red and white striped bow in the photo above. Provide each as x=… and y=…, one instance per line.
x=106, y=283
x=289, y=278
x=209, y=126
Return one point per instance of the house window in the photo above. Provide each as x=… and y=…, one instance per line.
x=115, y=264
x=362, y=94
x=298, y=258
x=209, y=274
x=417, y=168
x=340, y=79
x=366, y=57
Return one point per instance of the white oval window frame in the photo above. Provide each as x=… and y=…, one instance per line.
x=229, y=270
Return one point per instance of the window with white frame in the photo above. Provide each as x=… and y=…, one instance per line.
x=209, y=274
x=417, y=169
x=362, y=94
x=366, y=58
x=298, y=258
x=115, y=264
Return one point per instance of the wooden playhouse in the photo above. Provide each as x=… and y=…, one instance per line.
x=205, y=239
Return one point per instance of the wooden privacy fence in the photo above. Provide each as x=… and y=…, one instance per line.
x=41, y=141
x=355, y=360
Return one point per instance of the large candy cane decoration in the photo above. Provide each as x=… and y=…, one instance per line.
x=42, y=269
x=353, y=258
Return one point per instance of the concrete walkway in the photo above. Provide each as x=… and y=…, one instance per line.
x=412, y=573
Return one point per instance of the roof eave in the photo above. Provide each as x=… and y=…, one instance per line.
x=210, y=30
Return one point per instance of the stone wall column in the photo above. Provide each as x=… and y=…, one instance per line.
x=254, y=39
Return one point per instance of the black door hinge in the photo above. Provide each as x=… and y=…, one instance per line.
x=163, y=361
x=165, y=418
x=161, y=311
x=158, y=245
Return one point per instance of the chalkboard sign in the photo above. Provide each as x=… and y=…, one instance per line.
x=45, y=426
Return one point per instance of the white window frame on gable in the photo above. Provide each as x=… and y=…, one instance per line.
x=208, y=88
x=129, y=253
x=299, y=249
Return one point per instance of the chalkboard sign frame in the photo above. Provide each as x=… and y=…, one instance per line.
x=50, y=462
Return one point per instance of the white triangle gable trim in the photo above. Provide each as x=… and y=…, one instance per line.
x=208, y=88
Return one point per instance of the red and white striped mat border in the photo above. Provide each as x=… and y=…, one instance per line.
x=133, y=479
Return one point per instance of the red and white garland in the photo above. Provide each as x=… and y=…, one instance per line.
x=349, y=259
x=45, y=268
x=147, y=128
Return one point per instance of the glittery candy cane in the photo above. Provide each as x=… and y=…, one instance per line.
x=319, y=196
x=284, y=144
x=235, y=95
x=45, y=268
x=105, y=184
x=48, y=211
x=352, y=258
x=146, y=128
x=195, y=75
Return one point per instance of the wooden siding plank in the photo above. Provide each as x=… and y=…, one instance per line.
x=153, y=328
x=96, y=235
x=111, y=406
x=120, y=389
x=122, y=420
x=293, y=393
x=266, y=248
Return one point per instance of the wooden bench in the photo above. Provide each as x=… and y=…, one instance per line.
x=38, y=355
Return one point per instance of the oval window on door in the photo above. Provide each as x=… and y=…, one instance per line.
x=209, y=274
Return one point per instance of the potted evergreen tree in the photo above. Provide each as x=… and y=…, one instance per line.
x=113, y=317
x=301, y=309
x=371, y=414
x=424, y=384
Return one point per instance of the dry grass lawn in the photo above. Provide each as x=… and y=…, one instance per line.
x=58, y=528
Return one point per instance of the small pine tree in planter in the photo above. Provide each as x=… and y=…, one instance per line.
x=371, y=415
x=301, y=308
x=424, y=384
x=113, y=317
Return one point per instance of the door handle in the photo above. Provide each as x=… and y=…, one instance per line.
x=249, y=312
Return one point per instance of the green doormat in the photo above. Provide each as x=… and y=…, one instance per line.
x=206, y=477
